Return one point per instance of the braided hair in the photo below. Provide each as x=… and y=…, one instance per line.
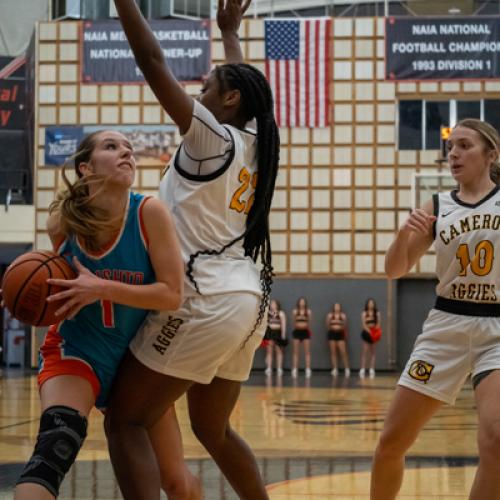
x=256, y=102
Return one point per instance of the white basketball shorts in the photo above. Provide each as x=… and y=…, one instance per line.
x=450, y=348
x=209, y=336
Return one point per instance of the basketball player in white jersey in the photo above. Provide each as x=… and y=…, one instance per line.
x=461, y=336
x=219, y=187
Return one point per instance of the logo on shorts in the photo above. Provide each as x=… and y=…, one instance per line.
x=167, y=333
x=420, y=370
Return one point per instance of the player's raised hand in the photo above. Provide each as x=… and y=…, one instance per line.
x=419, y=222
x=230, y=13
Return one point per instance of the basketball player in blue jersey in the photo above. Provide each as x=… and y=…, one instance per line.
x=219, y=187
x=461, y=335
x=126, y=252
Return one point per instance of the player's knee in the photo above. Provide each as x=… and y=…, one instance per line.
x=489, y=442
x=61, y=435
x=176, y=486
x=207, y=434
x=391, y=445
x=199, y=430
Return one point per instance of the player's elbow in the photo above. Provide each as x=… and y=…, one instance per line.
x=149, y=61
x=176, y=301
x=173, y=298
x=391, y=275
x=392, y=271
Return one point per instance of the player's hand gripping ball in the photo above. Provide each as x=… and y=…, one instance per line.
x=25, y=288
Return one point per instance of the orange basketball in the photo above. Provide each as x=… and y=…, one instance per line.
x=25, y=288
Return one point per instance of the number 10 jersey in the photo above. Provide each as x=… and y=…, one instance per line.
x=467, y=243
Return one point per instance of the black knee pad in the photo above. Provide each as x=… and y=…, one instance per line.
x=61, y=435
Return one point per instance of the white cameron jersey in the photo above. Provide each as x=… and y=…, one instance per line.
x=467, y=242
x=210, y=205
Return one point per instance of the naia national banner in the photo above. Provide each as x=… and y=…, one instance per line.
x=433, y=48
x=107, y=57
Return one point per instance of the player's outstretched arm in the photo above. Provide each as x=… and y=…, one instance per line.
x=149, y=57
x=229, y=15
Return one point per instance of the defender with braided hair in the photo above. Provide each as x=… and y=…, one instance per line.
x=219, y=188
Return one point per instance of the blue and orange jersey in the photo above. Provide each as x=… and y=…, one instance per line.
x=102, y=331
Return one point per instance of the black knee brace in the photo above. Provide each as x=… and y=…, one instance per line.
x=61, y=435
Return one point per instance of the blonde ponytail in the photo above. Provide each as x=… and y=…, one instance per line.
x=73, y=204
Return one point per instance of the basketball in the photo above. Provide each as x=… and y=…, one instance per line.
x=25, y=288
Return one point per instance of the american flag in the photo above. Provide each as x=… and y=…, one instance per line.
x=297, y=69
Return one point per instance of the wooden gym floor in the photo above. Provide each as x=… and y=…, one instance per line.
x=313, y=438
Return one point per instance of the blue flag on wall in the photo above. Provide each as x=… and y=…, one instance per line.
x=61, y=143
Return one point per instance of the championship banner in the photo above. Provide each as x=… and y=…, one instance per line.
x=107, y=57
x=444, y=48
x=152, y=144
x=12, y=98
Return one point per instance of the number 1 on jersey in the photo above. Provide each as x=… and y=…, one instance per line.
x=108, y=316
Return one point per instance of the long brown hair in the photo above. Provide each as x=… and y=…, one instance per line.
x=73, y=204
x=491, y=141
x=306, y=306
x=278, y=304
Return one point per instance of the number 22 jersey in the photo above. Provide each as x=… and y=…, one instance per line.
x=210, y=204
